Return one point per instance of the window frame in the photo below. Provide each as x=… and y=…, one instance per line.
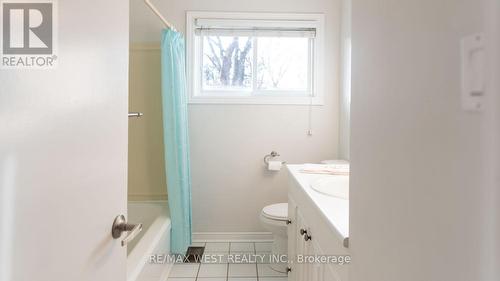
x=194, y=56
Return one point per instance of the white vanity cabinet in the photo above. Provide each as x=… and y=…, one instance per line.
x=310, y=234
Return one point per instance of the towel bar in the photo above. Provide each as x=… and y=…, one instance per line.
x=135, y=114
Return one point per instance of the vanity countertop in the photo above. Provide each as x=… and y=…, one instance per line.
x=334, y=210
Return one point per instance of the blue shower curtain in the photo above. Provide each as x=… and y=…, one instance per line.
x=176, y=139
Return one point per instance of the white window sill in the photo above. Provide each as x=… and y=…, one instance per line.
x=257, y=100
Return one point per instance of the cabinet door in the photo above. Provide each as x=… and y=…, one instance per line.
x=301, y=270
x=292, y=236
x=319, y=271
x=307, y=270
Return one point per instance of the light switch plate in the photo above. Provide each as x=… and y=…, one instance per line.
x=473, y=72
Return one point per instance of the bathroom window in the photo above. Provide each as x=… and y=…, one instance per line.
x=254, y=58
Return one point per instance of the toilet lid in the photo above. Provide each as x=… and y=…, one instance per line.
x=276, y=211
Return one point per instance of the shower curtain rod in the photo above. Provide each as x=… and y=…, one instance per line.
x=155, y=10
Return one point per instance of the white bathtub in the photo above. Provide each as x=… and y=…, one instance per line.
x=154, y=238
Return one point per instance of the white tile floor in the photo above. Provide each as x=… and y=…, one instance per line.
x=227, y=271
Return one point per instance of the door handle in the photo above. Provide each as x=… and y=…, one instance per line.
x=135, y=114
x=120, y=225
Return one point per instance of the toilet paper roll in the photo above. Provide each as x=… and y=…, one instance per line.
x=274, y=165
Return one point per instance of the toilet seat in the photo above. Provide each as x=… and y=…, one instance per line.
x=278, y=212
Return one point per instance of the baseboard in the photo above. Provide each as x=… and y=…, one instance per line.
x=232, y=236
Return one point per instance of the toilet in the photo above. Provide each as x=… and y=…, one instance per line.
x=274, y=218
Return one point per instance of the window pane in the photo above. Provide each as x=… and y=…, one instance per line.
x=282, y=63
x=227, y=63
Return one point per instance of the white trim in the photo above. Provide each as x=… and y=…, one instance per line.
x=232, y=236
x=257, y=100
x=297, y=17
x=317, y=64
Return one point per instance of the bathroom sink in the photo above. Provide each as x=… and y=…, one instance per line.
x=334, y=186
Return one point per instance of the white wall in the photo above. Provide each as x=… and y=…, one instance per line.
x=492, y=140
x=228, y=142
x=419, y=206
x=345, y=83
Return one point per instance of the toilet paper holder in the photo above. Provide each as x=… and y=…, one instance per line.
x=271, y=156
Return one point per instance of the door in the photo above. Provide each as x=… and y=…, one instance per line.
x=63, y=149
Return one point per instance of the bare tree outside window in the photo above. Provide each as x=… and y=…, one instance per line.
x=281, y=63
x=229, y=62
